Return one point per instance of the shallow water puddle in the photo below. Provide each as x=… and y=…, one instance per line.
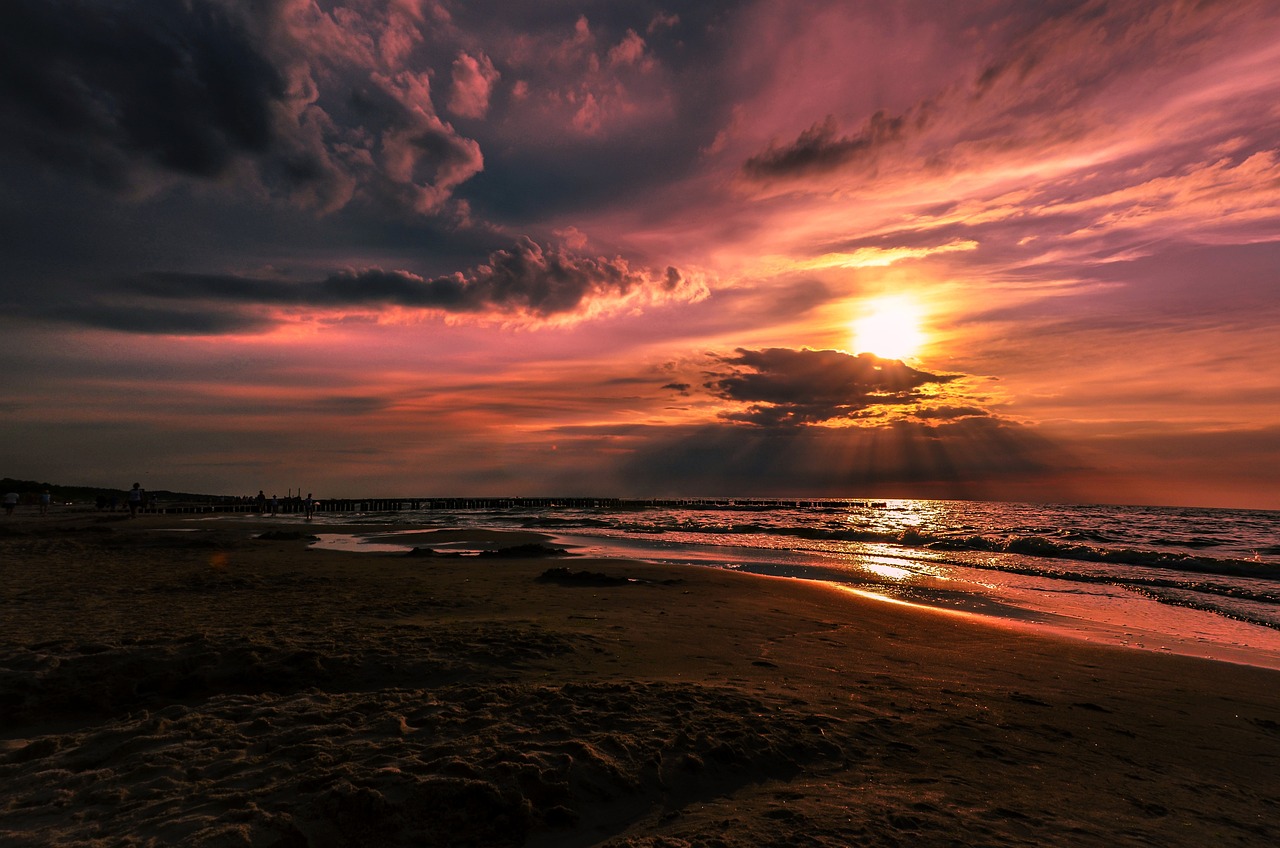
x=363, y=544
x=354, y=542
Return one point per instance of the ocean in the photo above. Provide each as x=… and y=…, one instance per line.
x=1204, y=582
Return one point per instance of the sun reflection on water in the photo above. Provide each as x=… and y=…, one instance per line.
x=890, y=572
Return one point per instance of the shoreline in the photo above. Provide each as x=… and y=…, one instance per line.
x=210, y=688
x=994, y=611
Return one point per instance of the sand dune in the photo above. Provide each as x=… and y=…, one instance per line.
x=212, y=688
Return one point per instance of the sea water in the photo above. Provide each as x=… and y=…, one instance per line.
x=1186, y=580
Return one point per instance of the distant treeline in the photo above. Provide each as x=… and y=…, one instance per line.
x=29, y=490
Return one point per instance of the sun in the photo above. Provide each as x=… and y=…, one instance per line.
x=890, y=327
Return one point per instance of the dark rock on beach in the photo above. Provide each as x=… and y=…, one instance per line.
x=286, y=536
x=566, y=577
x=583, y=578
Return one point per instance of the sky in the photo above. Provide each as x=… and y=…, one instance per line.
x=815, y=248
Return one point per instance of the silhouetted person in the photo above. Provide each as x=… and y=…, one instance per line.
x=275, y=504
x=260, y=503
x=135, y=500
x=10, y=501
x=45, y=499
x=309, y=505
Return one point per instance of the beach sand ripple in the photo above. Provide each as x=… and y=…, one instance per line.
x=66, y=678
x=455, y=765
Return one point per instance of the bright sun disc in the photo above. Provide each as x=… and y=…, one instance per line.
x=889, y=328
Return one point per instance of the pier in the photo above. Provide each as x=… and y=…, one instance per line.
x=293, y=506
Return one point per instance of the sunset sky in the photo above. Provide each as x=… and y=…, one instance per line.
x=989, y=249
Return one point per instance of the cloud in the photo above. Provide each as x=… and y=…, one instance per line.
x=280, y=100
x=350, y=405
x=784, y=387
x=820, y=148
x=951, y=413
x=661, y=21
x=1050, y=88
x=628, y=51
x=592, y=80
x=473, y=81
x=527, y=281
x=881, y=257
x=148, y=319
x=108, y=89
x=419, y=159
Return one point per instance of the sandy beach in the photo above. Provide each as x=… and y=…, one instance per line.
x=188, y=683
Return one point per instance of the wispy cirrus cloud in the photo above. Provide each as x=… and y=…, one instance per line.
x=1064, y=89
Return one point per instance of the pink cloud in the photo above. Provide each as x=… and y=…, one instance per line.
x=473, y=81
x=577, y=83
x=1075, y=91
x=629, y=51
x=422, y=155
x=661, y=21
x=587, y=118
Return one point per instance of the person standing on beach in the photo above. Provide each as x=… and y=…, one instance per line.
x=135, y=500
x=260, y=503
x=45, y=500
x=310, y=506
x=275, y=504
x=10, y=501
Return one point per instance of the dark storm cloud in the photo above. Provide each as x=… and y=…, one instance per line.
x=527, y=279
x=951, y=413
x=782, y=375
x=657, y=115
x=100, y=87
x=152, y=320
x=789, y=387
x=272, y=99
x=821, y=148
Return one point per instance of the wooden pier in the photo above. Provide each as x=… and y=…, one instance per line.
x=292, y=506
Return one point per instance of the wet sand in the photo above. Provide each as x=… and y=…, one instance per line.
x=207, y=687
